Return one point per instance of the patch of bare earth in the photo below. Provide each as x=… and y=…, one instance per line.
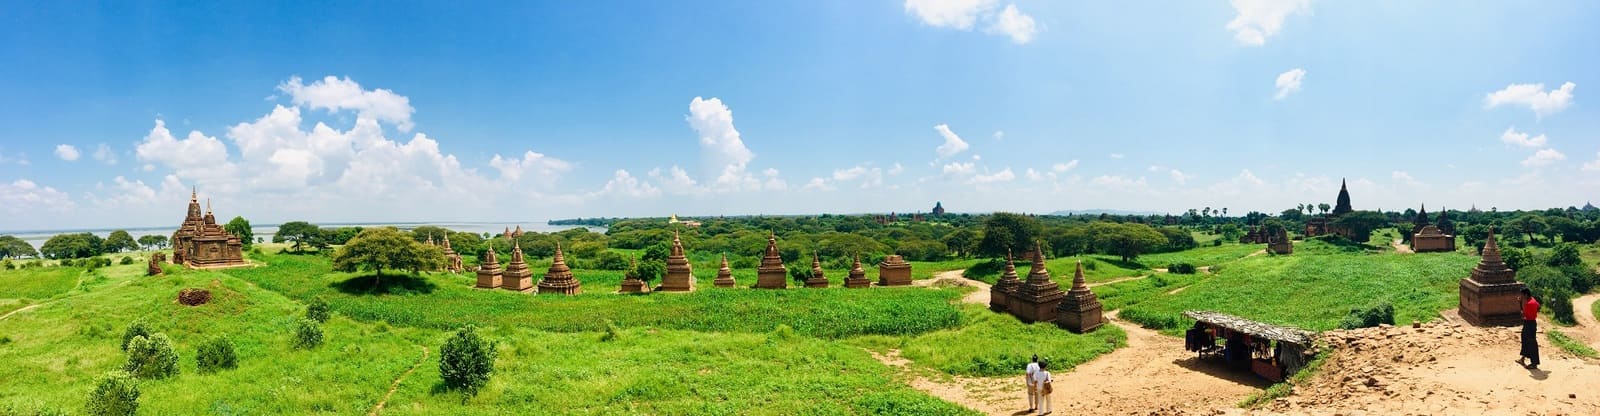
x=1588, y=329
x=1401, y=248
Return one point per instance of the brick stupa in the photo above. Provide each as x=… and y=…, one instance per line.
x=202, y=244
x=1037, y=298
x=1431, y=240
x=517, y=276
x=680, y=276
x=858, y=277
x=894, y=271
x=559, y=279
x=489, y=271
x=1491, y=296
x=630, y=279
x=1005, y=289
x=724, y=274
x=1080, y=310
x=452, y=259
x=771, y=274
x=817, y=280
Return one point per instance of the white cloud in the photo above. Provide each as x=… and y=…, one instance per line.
x=718, y=138
x=195, y=157
x=1063, y=167
x=1534, y=96
x=1179, y=177
x=1512, y=136
x=897, y=169
x=956, y=14
x=1543, y=157
x=960, y=168
x=868, y=177
x=953, y=145
x=103, y=153
x=335, y=94
x=818, y=184
x=542, y=168
x=1118, y=182
x=624, y=184
x=1004, y=175
x=1593, y=165
x=19, y=159
x=676, y=181
x=67, y=152
x=1116, y=155
x=24, y=196
x=1288, y=82
x=998, y=135
x=1404, y=178
x=1015, y=24
x=773, y=181
x=126, y=192
x=1258, y=20
x=1033, y=175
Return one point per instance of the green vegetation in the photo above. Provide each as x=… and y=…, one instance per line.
x=992, y=344
x=1380, y=314
x=116, y=394
x=38, y=283
x=1570, y=345
x=240, y=227
x=308, y=335
x=466, y=361
x=13, y=247
x=151, y=358
x=216, y=355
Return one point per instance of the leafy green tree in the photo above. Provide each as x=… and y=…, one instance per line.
x=300, y=234
x=72, y=246
x=216, y=354
x=1564, y=255
x=308, y=334
x=429, y=232
x=115, y=394
x=962, y=242
x=382, y=248
x=136, y=329
x=13, y=247
x=152, y=241
x=1006, y=232
x=152, y=358
x=1361, y=223
x=120, y=241
x=1127, y=241
x=240, y=227
x=466, y=361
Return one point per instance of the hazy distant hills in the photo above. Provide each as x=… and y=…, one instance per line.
x=1104, y=211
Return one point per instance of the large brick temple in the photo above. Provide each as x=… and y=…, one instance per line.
x=202, y=244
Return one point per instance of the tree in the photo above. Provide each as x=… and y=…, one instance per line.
x=1324, y=207
x=240, y=227
x=962, y=242
x=429, y=233
x=116, y=394
x=1361, y=224
x=152, y=241
x=1125, y=240
x=382, y=248
x=466, y=361
x=119, y=241
x=300, y=234
x=13, y=247
x=72, y=246
x=1006, y=232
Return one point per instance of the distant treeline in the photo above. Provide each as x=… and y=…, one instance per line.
x=592, y=222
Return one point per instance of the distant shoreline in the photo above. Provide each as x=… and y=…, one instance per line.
x=38, y=237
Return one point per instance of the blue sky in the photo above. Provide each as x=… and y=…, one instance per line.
x=711, y=108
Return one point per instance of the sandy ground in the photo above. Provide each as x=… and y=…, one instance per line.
x=1400, y=247
x=1588, y=329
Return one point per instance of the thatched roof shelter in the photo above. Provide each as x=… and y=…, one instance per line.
x=1286, y=334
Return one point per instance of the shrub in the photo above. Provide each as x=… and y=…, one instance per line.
x=1382, y=313
x=7, y=264
x=116, y=394
x=308, y=335
x=317, y=310
x=136, y=329
x=125, y=261
x=96, y=262
x=610, y=260
x=1181, y=268
x=1560, y=304
x=800, y=274
x=152, y=358
x=216, y=354
x=466, y=361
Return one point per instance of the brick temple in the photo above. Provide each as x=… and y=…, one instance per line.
x=1005, y=289
x=680, y=276
x=559, y=280
x=1080, y=310
x=517, y=276
x=630, y=279
x=894, y=271
x=771, y=274
x=857, y=277
x=1491, y=295
x=1037, y=299
x=200, y=243
x=452, y=260
x=817, y=280
x=724, y=274
x=489, y=274
x=1328, y=224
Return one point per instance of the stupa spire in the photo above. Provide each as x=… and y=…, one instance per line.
x=1078, y=282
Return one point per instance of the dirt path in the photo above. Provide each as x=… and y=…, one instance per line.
x=1401, y=248
x=20, y=310
x=954, y=278
x=396, y=386
x=1588, y=329
x=990, y=395
x=1117, y=280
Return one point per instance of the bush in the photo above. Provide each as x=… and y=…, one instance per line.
x=7, y=264
x=466, y=361
x=117, y=393
x=610, y=260
x=136, y=329
x=317, y=310
x=96, y=262
x=308, y=335
x=125, y=261
x=1382, y=313
x=1181, y=268
x=216, y=354
x=152, y=358
x=1560, y=304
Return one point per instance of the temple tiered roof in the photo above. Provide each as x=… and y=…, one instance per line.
x=559, y=279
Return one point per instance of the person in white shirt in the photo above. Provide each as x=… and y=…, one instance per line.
x=1033, y=396
x=1040, y=379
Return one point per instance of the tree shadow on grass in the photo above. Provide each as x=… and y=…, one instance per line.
x=385, y=285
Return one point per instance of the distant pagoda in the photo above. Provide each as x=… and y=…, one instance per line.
x=857, y=277
x=1080, y=310
x=452, y=260
x=680, y=276
x=489, y=270
x=559, y=279
x=771, y=274
x=1037, y=298
x=1005, y=289
x=517, y=275
x=894, y=271
x=724, y=274
x=1341, y=203
x=1491, y=295
x=817, y=280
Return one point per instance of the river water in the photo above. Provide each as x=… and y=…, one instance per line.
x=265, y=232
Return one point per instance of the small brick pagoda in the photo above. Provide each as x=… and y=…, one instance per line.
x=1431, y=240
x=202, y=244
x=1491, y=296
x=517, y=276
x=452, y=260
x=894, y=271
x=489, y=275
x=1005, y=289
x=559, y=279
x=817, y=280
x=858, y=277
x=724, y=274
x=1278, y=241
x=1080, y=310
x=1037, y=298
x=680, y=276
x=630, y=280
x=771, y=274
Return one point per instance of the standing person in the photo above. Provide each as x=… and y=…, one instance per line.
x=1027, y=380
x=1530, y=330
x=1041, y=383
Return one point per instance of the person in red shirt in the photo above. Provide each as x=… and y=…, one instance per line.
x=1530, y=338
